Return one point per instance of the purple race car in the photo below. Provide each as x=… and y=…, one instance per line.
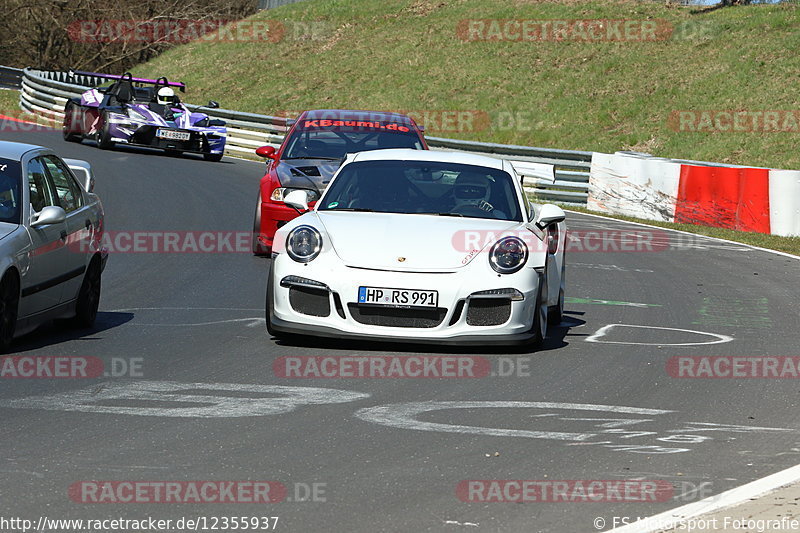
x=143, y=112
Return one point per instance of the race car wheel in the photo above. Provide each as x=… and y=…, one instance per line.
x=9, y=305
x=213, y=157
x=88, y=297
x=258, y=248
x=70, y=119
x=539, y=327
x=104, y=133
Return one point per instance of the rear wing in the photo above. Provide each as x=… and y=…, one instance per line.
x=161, y=81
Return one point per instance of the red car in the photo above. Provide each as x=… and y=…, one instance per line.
x=312, y=152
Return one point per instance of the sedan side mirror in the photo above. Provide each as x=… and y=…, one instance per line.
x=267, y=151
x=297, y=199
x=49, y=215
x=550, y=214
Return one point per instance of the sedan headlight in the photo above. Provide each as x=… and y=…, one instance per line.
x=303, y=244
x=508, y=255
x=279, y=193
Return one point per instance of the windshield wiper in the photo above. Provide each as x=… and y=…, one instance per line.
x=357, y=209
x=442, y=214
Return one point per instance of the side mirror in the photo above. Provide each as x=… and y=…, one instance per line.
x=266, y=151
x=550, y=214
x=212, y=104
x=49, y=215
x=297, y=199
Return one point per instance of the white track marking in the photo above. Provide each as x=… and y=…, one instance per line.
x=208, y=398
x=670, y=519
x=602, y=332
x=402, y=415
x=776, y=252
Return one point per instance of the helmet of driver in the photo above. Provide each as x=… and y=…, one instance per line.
x=165, y=96
x=471, y=189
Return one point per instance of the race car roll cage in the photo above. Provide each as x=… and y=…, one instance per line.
x=123, y=91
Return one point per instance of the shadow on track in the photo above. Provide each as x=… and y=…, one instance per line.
x=59, y=331
x=144, y=150
x=555, y=339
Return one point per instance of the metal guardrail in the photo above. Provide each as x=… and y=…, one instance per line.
x=10, y=78
x=44, y=93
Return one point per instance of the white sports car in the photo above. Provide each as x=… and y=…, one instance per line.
x=419, y=246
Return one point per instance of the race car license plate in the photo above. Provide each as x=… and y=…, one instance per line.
x=397, y=297
x=172, y=134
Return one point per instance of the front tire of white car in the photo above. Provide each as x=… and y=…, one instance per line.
x=270, y=308
x=557, y=311
x=540, y=316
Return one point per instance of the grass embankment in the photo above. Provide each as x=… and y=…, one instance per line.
x=601, y=96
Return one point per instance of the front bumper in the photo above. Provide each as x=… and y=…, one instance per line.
x=200, y=141
x=274, y=216
x=462, y=316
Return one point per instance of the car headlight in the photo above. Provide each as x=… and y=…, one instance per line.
x=303, y=244
x=508, y=255
x=279, y=193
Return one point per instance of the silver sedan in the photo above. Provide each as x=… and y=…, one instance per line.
x=51, y=224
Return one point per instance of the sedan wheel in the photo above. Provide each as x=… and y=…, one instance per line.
x=9, y=305
x=88, y=297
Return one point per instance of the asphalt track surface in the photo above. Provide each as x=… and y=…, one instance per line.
x=197, y=318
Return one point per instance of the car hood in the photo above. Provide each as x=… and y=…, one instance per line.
x=400, y=242
x=303, y=173
x=6, y=228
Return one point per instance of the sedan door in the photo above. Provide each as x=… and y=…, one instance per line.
x=41, y=284
x=69, y=196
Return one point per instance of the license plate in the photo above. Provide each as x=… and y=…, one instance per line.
x=172, y=134
x=398, y=297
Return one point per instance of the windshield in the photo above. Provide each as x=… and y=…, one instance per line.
x=10, y=200
x=423, y=187
x=332, y=139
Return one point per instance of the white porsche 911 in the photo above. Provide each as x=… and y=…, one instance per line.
x=419, y=246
